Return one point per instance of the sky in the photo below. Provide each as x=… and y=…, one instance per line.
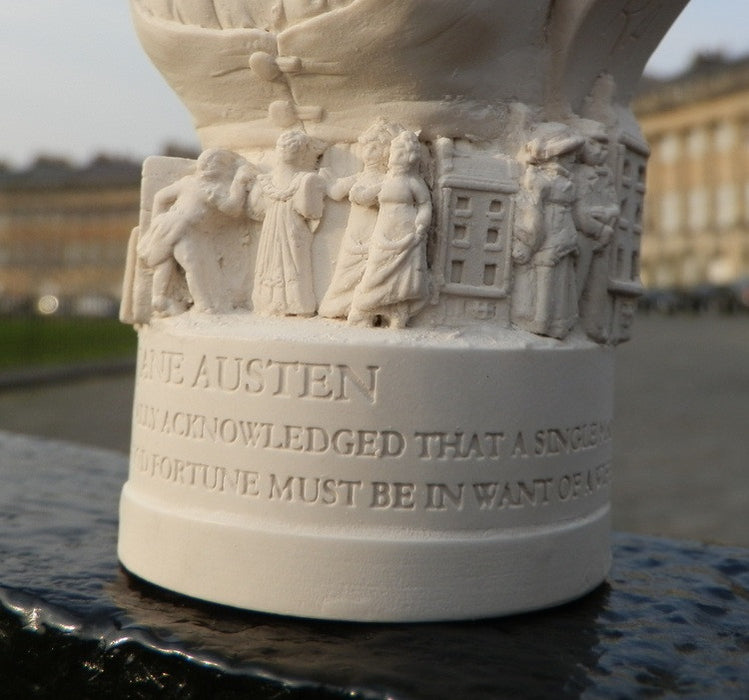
x=75, y=82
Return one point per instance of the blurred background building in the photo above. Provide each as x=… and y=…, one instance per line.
x=64, y=232
x=696, y=213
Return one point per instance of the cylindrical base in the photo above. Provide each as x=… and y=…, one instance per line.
x=313, y=469
x=414, y=577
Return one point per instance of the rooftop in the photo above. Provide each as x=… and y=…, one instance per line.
x=709, y=76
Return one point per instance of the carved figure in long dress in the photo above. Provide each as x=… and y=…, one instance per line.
x=185, y=214
x=596, y=215
x=363, y=190
x=544, y=298
x=289, y=200
x=395, y=282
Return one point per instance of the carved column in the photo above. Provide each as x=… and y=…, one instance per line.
x=377, y=315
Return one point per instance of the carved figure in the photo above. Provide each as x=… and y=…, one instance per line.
x=363, y=190
x=185, y=214
x=395, y=282
x=544, y=297
x=596, y=214
x=290, y=201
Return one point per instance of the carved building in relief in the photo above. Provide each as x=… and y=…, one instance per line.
x=472, y=262
x=624, y=261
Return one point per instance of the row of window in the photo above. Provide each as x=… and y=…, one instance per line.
x=56, y=253
x=81, y=212
x=698, y=141
x=701, y=208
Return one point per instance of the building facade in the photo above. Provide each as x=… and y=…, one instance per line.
x=64, y=232
x=696, y=215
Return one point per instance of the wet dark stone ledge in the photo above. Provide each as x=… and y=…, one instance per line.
x=672, y=620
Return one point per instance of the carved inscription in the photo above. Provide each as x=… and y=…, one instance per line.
x=461, y=445
x=379, y=495
x=452, y=447
x=260, y=376
x=259, y=435
x=531, y=471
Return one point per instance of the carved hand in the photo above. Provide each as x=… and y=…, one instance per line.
x=246, y=174
x=521, y=253
x=604, y=236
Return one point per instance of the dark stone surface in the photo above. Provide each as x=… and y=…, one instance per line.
x=672, y=621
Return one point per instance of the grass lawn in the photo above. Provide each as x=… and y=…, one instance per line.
x=63, y=340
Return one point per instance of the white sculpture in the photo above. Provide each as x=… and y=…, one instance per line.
x=545, y=248
x=363, y=190
x=467, y=174
x=291, y=200
x=185, y=213
x=596, y=215
x=394, y=283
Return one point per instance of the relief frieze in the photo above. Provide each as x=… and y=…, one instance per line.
x=537, y=231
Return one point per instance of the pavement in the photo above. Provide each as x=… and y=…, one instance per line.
x=93, y=410
x=681, y=466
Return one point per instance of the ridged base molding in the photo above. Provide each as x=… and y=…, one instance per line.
x=305, y=469
x=321, y=575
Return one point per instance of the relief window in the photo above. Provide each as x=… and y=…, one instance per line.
x=490, y=274
x=460, y=233
x=476, y=256
x=620, y=260
x=456, y=271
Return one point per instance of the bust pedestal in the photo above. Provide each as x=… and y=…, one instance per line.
x=376, y=323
